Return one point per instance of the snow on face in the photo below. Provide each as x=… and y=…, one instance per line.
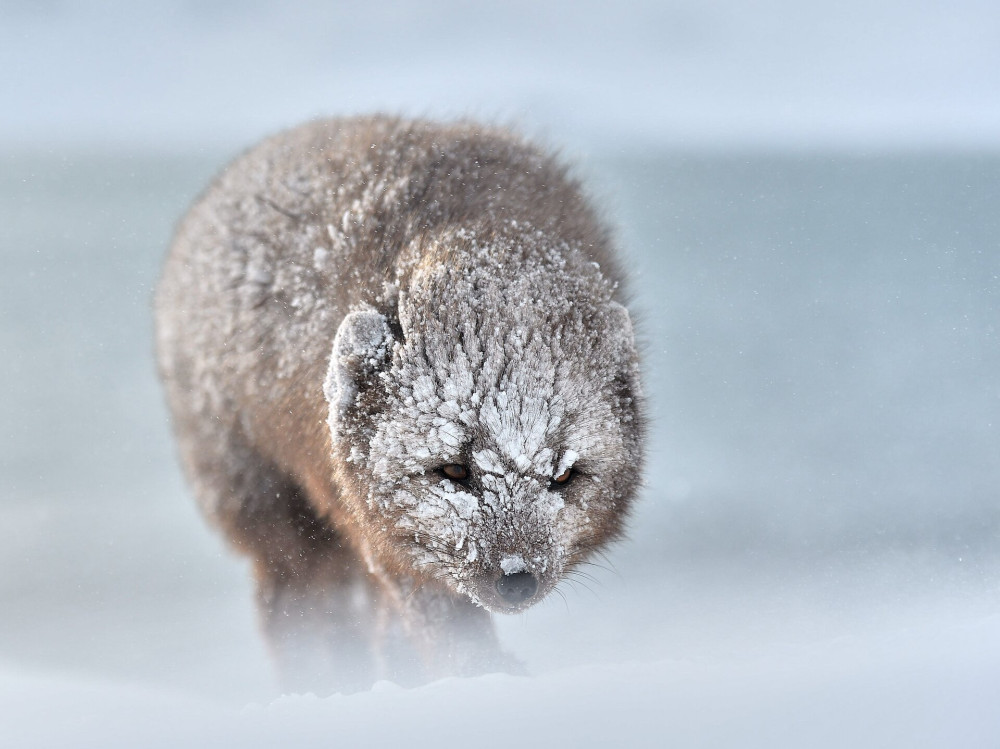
x=506, y=366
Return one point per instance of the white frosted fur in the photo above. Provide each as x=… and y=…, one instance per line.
x=513, y=564
x=569, y=457
x=492, y=378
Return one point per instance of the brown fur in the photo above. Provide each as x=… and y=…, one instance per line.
x=243, y=356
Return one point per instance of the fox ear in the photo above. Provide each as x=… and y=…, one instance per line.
x=623, y=335
x=621, y=323
x=361, y=348
x=621, y=332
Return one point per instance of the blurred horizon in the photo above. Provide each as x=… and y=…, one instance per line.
x=667, y=75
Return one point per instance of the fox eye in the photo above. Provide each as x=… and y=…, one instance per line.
x=564, y=477
x=455, y=471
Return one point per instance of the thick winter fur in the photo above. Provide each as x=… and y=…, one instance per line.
x=354, y=304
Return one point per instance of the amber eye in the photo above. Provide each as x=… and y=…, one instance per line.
x=563, y=477
x=455, y=471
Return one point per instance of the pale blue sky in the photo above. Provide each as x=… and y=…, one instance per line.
x=869, y=73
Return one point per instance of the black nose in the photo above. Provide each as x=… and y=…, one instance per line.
x=517, y=588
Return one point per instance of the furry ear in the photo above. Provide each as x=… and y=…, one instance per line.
x=361, y=347
x=620, y=327
x=620, y=324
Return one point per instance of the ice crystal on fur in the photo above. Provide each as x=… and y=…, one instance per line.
x=510, y=350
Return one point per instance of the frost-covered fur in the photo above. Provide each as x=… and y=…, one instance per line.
x=354, y=304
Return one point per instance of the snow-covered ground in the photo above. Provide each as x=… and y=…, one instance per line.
x=815, y=558
x=884, y=653
x=927, y=684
